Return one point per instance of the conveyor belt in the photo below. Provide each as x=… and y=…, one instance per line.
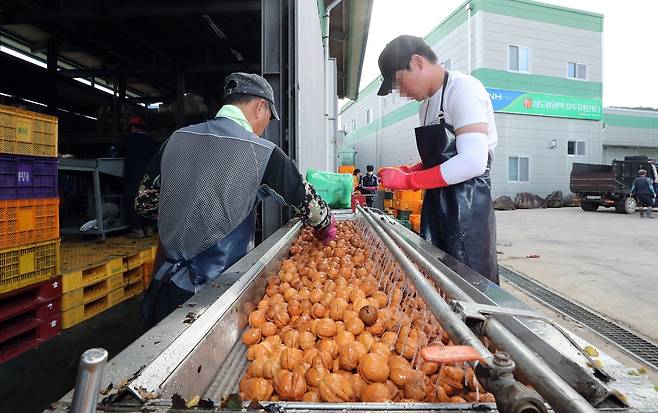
x=229, y=374
x=625, y=340
x=203, y=355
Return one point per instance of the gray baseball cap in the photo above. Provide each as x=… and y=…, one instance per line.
x=250, y=84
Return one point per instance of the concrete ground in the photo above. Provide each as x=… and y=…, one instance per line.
x=583, y=332
x=603, y=260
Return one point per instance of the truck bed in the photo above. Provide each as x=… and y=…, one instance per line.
x=592, y=178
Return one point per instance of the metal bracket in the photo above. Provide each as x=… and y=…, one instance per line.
x=474, y=311
x=469, y=310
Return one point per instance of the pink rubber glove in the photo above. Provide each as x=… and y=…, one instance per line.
x=328, y=233
x=425, y=179
x=394, y=178
x=412, y=168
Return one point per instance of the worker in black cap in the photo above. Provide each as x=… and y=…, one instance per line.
x=455, y=141
x=644, y=192
x=212, y=176
x=369, y=183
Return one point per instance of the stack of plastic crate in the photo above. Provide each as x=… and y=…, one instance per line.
x=389, y=202
x=148, y=267
x=29, y=231
x=408, y=205
x=95, y=287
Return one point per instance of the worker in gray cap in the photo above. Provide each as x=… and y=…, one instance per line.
x=643, y=191
x=455, y=140
x=212, y=176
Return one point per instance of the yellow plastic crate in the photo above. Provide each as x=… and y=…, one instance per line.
x=132, y=289
x=27, y=221
x=135, y=260
x=154, y=251
x=30, y=264
x=27, y=133
x=413, y=206
x=134, y=275
x=91, y=292
x=84, y=312
x=76, y=279
x=408, y=195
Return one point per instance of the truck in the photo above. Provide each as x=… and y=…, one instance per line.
x=608, y=185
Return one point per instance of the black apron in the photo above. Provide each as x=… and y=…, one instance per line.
x=458, y=219
x=177, y=280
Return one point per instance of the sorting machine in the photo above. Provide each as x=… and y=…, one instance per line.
x=527, y=361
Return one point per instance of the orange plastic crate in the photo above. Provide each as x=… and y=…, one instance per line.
x=414, y=206
x=408, y=195
x=346, y=169
x=27, y=221
x=414, y=219
x=147, y=273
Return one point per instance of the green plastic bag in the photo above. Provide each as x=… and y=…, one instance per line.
x=335, y=189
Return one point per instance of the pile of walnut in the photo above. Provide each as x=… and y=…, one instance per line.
x=325, y=333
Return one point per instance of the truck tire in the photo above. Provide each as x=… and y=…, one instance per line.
x=589, y=206
x=627, y=205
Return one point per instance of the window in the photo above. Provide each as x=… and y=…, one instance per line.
x=447, y=64
x=519, y=59
x=577, y=71
x=353, y=125
x=518, y=169
x=368, y=116
x=576, y=148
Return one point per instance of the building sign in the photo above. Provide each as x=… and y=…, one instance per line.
x=512, y=101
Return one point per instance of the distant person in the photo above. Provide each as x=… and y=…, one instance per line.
x=137, y=148
x=357, y=175
x=369, y=183
x=654, y=174
x=643, y=191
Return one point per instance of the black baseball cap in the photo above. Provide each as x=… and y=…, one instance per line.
x=396, y=56
x=250, y=84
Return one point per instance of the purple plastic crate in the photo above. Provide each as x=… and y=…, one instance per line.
x=27, y=177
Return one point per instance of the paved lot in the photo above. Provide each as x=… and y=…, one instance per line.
x=603, y=260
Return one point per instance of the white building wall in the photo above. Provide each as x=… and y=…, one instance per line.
x=532, y=137
x=627, y=132
x=629, y=127
x=312, y=150
x=551, y=46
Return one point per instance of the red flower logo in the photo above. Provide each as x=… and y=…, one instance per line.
x=527, y=102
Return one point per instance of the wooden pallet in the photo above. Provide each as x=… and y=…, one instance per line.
x=77, y=279
x=85, y=295
x=88, y=310
x=78, y=255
